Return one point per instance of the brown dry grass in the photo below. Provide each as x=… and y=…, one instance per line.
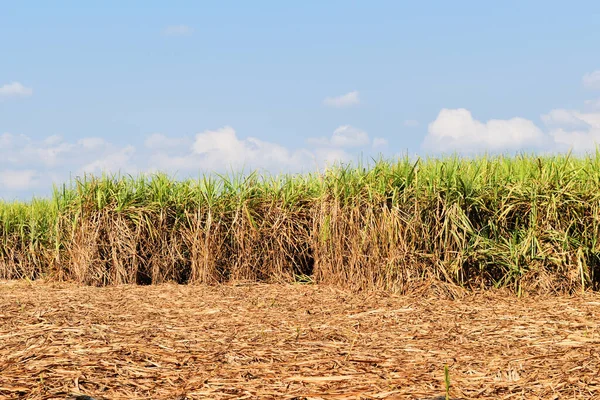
x=526, y=223
x=281, y=341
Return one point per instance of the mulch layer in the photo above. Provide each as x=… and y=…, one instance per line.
x=258, y=341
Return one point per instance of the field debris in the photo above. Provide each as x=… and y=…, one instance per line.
x=273, y=341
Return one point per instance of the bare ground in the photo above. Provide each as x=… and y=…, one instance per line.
x=274, y=341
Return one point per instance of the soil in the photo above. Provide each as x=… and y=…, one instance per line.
x=260, y=341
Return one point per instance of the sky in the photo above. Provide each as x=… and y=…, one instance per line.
x=190, y=87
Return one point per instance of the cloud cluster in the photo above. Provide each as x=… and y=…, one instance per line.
x=564, y=130
x=343, y=136
x=592, y=80
x=18, y=179
x=33, y=165
x=457, y=130
x=571, y=129
x=27, y=164
x=14, y=89
x=222, y=150
x=345, y=100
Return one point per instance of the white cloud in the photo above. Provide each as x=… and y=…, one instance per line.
x=222, y=150
x=30, y=163
x=348, y=136
x=5, y=140
x=91, y=143
x=27, y=164
x=571, y=119
x=113, y=162
x=222, y=140
x=324, y=157
x=346, y=100
x=17, y=180
x=593, y=104
x=575, y=130
x=457, y=130
x=592, y=80
x=411, y=123
x=15, y=89
x=572, y=129
x=576, y=140
x=51, y=155
x=177, y=30
x=53, y=140
x=343, y=136
x=160, y=141
x=379, y=142
x=579, y=131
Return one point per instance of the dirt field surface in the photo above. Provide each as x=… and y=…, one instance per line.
x=292, y=342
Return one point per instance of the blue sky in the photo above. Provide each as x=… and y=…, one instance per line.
x=189, y=87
